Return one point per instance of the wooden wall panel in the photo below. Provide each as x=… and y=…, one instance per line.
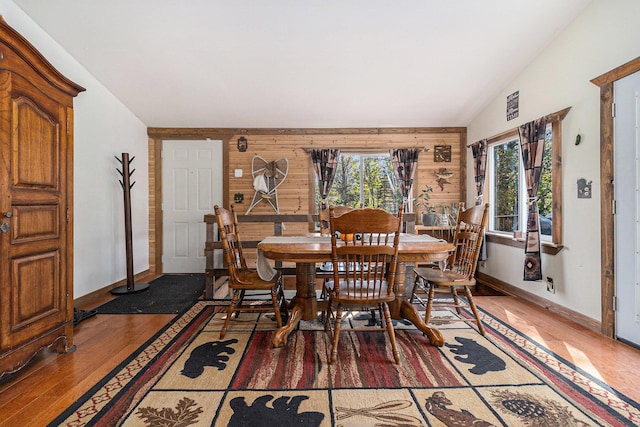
x=295, y=196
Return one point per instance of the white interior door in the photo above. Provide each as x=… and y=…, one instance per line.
x=191, y=186
x=627, y=218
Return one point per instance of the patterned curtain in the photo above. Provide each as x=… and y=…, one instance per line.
x=325, y=162
x=532, y=137
x=405, y=163
x=479, y=150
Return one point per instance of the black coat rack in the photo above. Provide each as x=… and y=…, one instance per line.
x=126, y=184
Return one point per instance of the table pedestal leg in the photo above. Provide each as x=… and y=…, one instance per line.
x=280, y=337
x=401, y=308
x=305, y=305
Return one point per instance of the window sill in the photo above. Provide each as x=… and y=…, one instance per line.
x=504, y=239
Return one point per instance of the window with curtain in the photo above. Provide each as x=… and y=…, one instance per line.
x=364, y=179
x=507, y=187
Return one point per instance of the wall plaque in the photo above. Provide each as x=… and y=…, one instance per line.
x=513, y=107
x=442, y=153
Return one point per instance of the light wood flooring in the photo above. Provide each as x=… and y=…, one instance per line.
x=52, y=382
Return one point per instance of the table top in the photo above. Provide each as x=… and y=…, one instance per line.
x=316, y=248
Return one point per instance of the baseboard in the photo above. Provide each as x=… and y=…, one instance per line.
x=86, y=300
x=508, y=289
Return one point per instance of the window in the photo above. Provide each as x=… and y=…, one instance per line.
x=505, y=177
x=507, y=187
x=545, y=189
x=364, y=180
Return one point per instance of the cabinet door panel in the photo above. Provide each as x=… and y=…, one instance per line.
x=36, y=147
x=35, y=222
x=35, y=296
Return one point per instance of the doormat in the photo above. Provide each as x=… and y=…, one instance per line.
x=169, y=293
x=186, y=375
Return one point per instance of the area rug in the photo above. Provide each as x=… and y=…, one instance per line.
x=169, y=293
x=187, y=376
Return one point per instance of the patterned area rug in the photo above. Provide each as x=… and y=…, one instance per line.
x=187, y=376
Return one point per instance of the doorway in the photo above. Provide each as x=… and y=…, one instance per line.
x=607, y=235
x=192, y=174
x=626, y=95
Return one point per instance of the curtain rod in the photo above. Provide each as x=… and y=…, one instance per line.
x=550, y=118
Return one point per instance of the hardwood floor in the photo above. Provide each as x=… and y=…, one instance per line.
x=43, y=389
x=52, y=382
x=611, y=361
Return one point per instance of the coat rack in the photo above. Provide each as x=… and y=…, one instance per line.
x=126, y=184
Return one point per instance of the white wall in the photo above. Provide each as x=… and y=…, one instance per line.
x=104, y=128
x=605, y=36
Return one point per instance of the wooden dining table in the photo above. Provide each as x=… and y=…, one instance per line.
x=309, y=250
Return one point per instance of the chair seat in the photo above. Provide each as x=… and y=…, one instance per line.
x=444, y=278
x=249, y=279
x=358, y=296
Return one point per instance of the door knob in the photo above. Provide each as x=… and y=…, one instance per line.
x=8, y=214
x=4, y=227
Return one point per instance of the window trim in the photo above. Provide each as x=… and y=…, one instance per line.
x=554, y=245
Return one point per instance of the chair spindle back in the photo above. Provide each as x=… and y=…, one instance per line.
x=231, y=243
x=365, y=254
x=468, y=239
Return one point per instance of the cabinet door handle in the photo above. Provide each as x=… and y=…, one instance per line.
x=4, y=227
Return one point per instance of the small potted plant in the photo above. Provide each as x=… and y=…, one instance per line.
x=443, y=217
x=428, y=215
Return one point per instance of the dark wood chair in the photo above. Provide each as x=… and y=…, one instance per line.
x=243, y=279
x=323, y=216
x=364, y=264
x=461, y=272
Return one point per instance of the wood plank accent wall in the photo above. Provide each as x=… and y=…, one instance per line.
x=295, y=196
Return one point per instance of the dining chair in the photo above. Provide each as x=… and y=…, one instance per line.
x=323, y=216
x=459, y=271
x=324, y=271
x=243, y=279
x=368, y=252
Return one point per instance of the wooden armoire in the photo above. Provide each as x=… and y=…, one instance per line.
x=36, y=203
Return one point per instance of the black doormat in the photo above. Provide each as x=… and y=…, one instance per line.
x=170, y=293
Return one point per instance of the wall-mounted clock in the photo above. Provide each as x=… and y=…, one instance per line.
x=442, y=153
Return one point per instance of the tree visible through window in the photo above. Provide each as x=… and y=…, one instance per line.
x=364, y=180
x=508, y=188
x=545, y=190
x=505, y=162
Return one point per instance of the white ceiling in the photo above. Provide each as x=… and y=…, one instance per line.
x=304, y=63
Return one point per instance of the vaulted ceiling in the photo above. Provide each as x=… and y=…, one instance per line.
x=304, y=63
